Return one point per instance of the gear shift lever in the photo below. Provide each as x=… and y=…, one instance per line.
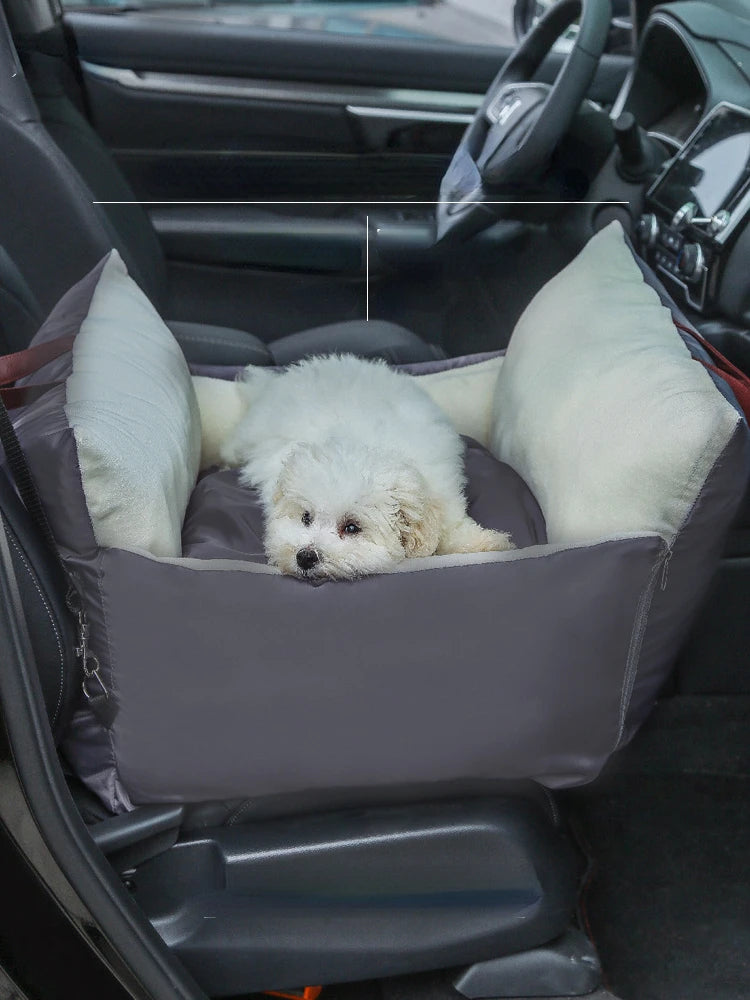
x=639, y=157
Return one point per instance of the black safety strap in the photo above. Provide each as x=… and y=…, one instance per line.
x=24, y=481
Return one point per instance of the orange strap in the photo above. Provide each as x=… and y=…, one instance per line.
x=308, y=993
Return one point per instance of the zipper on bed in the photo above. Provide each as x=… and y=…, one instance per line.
x=661, y=568
x=665, y=565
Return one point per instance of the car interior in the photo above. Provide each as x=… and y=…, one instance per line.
x=280, y=194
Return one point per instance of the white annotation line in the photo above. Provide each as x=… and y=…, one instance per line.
x=371, y=203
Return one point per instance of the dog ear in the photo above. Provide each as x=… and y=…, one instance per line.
x=417, y=516
x=283, y=488
x=280, y=488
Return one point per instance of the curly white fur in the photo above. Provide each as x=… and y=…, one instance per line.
x=356, y=467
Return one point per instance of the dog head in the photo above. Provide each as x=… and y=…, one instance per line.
x=341, y=511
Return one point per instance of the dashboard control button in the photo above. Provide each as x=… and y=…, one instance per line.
x=684, y=214
x=690, y=262
x=719, y=221
x=648, y=229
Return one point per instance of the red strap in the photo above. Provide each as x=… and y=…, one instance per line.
x=22, y=363
x=735, y=378
x=739, y=386
x=22, y=395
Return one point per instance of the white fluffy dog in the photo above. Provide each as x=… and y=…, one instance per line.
x=357, y=469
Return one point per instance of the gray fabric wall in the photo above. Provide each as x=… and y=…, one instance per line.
x=228, y=680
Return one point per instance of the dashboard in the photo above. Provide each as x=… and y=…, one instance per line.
x=689, y=90
x=711, y=171
x=668, y=92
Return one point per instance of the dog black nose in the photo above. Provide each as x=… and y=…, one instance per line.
x=307, y=558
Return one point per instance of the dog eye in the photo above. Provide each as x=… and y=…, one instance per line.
x=307, y=518
x=351, y=528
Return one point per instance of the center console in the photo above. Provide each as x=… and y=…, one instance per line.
x=697, y=204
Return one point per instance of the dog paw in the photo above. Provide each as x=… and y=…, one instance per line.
x=468, y=536
x=493, y=541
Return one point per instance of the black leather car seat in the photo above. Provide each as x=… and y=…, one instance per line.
x=21, y=315
x=53, y=170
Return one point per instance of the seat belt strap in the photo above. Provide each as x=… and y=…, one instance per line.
x=24, y=482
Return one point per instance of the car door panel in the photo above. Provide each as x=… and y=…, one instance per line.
x=193, y=108
x=218, y=138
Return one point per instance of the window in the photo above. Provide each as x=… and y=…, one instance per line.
x=469, y=22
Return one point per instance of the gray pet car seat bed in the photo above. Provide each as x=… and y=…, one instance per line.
x=613, y=456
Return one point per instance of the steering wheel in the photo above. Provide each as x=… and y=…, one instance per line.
x=520, y=122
